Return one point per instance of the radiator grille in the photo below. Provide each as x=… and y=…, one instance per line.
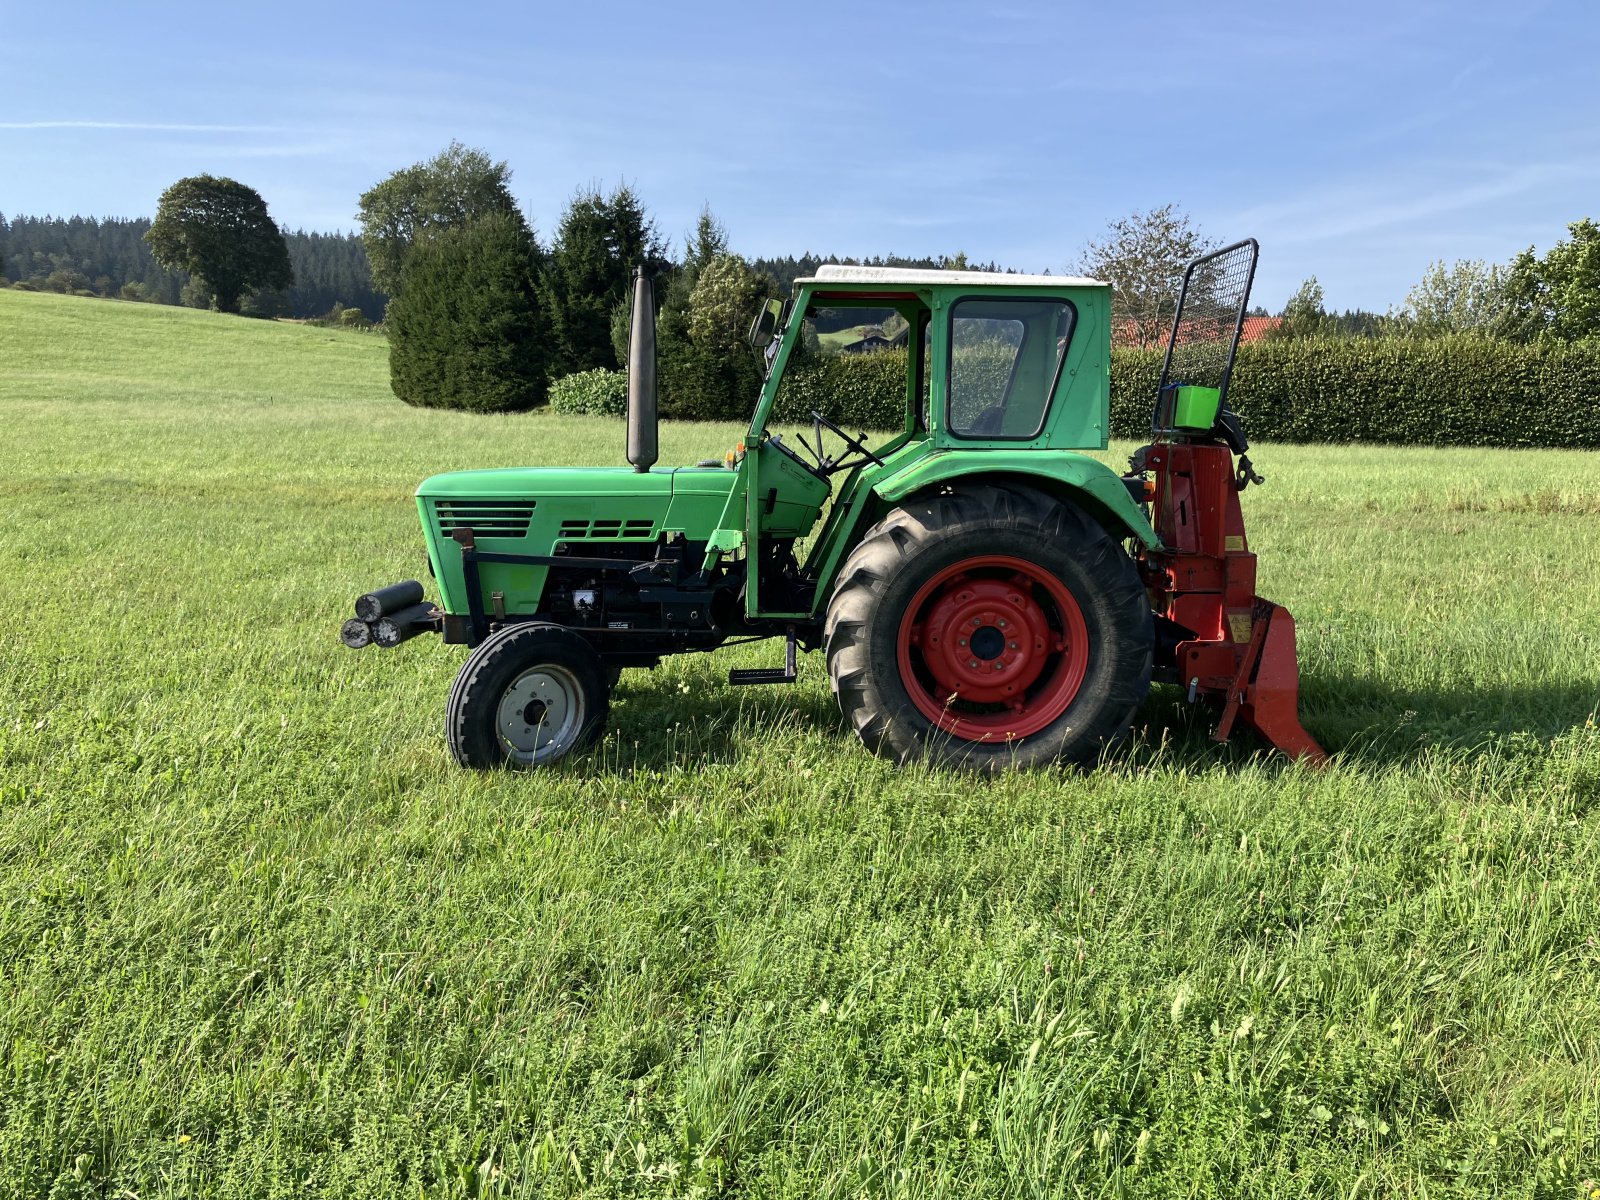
x=486, y=518
x=578, y=528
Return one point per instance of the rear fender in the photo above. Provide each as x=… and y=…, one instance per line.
x=1075, y=478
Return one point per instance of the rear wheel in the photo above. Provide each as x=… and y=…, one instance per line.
x=989, y=627
x=526, y=697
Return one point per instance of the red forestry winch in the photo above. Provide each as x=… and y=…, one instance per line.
x=1215, y=636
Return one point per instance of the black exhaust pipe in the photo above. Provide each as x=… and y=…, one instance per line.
x=642, y=375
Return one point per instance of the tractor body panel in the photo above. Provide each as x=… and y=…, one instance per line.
x=545, y=512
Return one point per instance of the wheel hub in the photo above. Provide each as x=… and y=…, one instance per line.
x=993, y=647
x=540, y=714
x=985, y=640
x=988, y=643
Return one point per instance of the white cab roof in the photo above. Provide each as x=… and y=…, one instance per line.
x=920, y=277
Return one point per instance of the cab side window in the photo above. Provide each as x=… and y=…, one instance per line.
x=1005, y=356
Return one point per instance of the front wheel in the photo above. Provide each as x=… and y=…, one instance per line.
x=526, y=697
x=987, y=628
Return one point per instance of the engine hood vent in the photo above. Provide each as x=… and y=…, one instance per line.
x=486, y=518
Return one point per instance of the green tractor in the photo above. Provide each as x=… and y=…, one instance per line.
x=986, y=594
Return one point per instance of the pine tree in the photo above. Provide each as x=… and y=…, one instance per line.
x=599, y=242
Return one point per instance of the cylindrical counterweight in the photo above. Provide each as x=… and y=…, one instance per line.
x=398, y=627
x=389, y=600
x=355, y=633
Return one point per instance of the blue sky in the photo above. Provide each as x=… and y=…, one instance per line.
x=1357, y=141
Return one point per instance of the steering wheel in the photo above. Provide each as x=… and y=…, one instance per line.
x=827, y=464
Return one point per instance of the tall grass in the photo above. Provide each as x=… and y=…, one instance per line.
x=258, y=937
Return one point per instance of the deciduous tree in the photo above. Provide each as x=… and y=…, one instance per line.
x=454, y=188
x=1466, y=296
x=1557, y=297
x=218, y=230
x=1143, y=257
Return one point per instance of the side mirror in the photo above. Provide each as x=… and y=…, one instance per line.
x=765, y=324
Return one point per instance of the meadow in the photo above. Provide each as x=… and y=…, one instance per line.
x=258, y=936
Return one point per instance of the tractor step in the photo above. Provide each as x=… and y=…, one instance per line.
x=740, y=677
x=788, y=673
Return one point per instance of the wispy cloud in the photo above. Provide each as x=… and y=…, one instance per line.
x=141, y=126
x=269, y=150
x=1332, y=213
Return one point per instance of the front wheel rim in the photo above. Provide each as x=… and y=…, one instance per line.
x=993, y=648
x=540, y=714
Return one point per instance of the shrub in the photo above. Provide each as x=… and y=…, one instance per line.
x=351, y=318
x=67, y=282
x=595, y=393
x=1461, y=390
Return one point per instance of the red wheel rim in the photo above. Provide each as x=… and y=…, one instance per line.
x=993, y=648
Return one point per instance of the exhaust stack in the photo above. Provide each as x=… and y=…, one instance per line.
x=642, y=375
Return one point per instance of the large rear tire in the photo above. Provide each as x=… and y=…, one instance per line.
x=987, y=628
x=526, y=697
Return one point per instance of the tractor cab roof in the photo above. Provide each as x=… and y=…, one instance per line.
x=913, y=277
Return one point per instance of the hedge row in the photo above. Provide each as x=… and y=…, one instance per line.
x=1452, y=391
x=861, y=390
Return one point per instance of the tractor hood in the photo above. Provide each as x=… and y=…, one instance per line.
x=530, y=483
x=535, y=510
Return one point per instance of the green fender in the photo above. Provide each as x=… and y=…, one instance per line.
x=1082, y=480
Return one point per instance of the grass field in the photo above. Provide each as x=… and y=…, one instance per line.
x=259, y=938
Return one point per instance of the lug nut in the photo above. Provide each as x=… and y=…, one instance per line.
x=1013, y=645
x=961, y=641
x=1002, y=622
x=973, y=664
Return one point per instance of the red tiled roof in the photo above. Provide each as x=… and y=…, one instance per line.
x=1256, y=328
x=1126, y=332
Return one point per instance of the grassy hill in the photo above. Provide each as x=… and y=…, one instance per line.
x=259, y=937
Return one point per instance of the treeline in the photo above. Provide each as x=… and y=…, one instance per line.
x=110, y=257
x=784, y=271
x=488, y=316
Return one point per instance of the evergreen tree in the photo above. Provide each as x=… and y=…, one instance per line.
x=599, y=242
x=218, y=229
x=1304, y=314
x=709, y=239
x=707, y=369
x=466, y=330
